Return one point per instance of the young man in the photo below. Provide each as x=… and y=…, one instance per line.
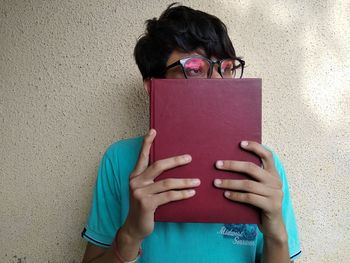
x=186, y=43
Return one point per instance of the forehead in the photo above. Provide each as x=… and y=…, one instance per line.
x=177, y=55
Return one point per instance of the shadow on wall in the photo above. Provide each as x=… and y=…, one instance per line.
x=314, y=83
x=302, y=54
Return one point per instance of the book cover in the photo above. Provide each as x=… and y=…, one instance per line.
x=206, y=118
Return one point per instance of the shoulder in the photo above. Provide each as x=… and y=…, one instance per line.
x=124, y=147
x=116, y=165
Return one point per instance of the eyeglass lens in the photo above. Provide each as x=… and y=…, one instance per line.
x=196, y=68
x=199, y=68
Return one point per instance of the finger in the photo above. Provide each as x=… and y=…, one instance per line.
x=249, y=198
x=248, y=168
x=248, y=186
x=171, y=183
x=160, y=166
x=170, y=196
x=264, y=154
x=143, y=160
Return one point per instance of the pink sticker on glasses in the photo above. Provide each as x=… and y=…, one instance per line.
x=196, y=67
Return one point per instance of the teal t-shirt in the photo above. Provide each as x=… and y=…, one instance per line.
x=174, y=242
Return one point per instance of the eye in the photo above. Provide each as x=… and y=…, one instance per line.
x=196, y=67
x=227, y=66
x=230, y=68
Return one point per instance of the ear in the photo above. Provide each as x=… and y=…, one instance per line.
x=147, y=85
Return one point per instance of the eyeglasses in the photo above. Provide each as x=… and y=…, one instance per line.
x=201, y=67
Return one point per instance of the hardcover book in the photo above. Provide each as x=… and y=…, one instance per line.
x=206, y=118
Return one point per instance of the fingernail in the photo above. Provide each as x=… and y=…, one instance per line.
x=151, y=132
x=227, y=194
x=191, y=192
x=244, y=143
x=187, y=157
x=217, y=182
x=219, y=163
x=196, y=182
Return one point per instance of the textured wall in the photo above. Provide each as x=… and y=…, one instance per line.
x=69, y=88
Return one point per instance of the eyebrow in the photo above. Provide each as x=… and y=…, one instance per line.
x=197, y=51
x=201, y=52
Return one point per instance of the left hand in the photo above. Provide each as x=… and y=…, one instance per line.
x=264, y=192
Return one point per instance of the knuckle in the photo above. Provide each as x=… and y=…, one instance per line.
x=250, y=167
x=184, y=194
x=143, y=154
x=132, y=176
x=234, y=195
x=228, y=165
x=279, y=184
x=187, y=182
x=268, y=154
x=237, y=196
x=132, y=184
x=247, y=198
x=248, y=185
x=178, y=160
x=158, y=166
x=170, y=195
x=137, y=194
x=168, y=183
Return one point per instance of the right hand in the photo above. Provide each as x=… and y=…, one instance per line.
x=146, y=195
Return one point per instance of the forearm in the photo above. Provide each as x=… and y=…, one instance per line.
x=107, y=256
x=276, y=250
x=127, y=248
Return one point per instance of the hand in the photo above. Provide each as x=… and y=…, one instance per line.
x=265, y=192
x=146, y=195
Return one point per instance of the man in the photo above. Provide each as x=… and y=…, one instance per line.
x=186, y=43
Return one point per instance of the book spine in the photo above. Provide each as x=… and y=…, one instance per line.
x=260, y=107
x=151, y=105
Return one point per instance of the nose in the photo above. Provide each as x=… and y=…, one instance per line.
x=215, y=73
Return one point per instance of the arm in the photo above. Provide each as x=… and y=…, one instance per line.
x=127, y=247
x=145, y=196
x=276, y=249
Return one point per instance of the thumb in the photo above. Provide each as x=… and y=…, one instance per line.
x=143, y=160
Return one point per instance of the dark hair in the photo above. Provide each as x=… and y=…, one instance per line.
x=184, y=29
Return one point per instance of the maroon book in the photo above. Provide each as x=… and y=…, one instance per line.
x=206, y=118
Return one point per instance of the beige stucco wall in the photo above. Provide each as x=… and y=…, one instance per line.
x=69, y=88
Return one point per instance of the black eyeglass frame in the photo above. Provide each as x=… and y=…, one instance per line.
x=183, y=61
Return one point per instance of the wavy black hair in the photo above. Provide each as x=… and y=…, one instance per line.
x=180, y=28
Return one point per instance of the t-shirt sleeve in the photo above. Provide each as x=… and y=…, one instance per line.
x=288, y=216
x=104, y=218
